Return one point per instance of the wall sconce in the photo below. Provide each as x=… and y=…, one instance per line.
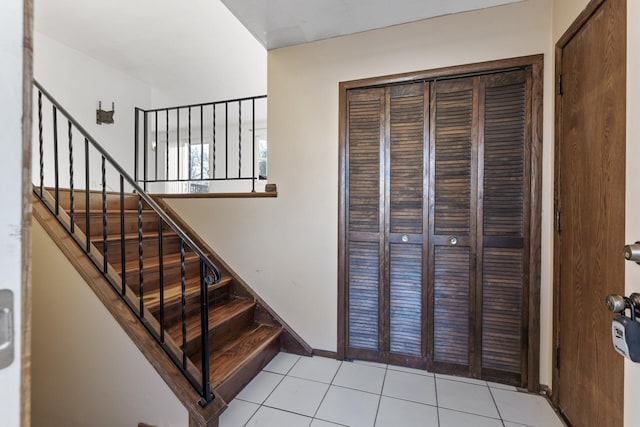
x=105, y=117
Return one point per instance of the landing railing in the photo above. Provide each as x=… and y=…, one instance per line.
x=190, y=147
x=57, y=164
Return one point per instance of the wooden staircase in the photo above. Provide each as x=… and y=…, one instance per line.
x=244, y=333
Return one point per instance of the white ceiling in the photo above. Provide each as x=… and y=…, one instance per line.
x=279, y=23
x=198, y=50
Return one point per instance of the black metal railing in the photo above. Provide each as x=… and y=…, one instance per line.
x=105, y=173
x=200, y=143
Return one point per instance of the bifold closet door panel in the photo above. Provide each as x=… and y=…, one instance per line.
x=365, y=221
x=406, y=213
x=504, y=227
x=453, y=222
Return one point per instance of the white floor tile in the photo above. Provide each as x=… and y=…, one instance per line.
x=449, y=418
x=510, y=424
x=461, y=379
x=416, y=388
x=361, y=377
x=297, y=395
x=316, y=368
x=501, y=386
x=374, y=364
x=395, y=412
x=410, y=370
x=466, y=397
x=260, y=387
x=282, y=363
x=269, y=417
x=525, y=408
x=349, y=407
x=238, y=413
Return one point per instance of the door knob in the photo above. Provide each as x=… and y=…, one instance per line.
x=453, y=241
x=632, y=252
x=405, y=238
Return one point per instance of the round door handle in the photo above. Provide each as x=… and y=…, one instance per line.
x=405, y=238
x=453, y=241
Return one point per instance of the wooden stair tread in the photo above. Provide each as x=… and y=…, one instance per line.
x=115, y=237
x=154, y=262
x=237, y=353
x=173, y=292
x=217, y=317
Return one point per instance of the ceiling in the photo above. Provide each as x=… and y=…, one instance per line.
x=166, y=43
x=279, y=23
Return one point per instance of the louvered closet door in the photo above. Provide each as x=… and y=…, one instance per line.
x=453, y=223
x=503, y=226
x=479, y=226
x=386, y=224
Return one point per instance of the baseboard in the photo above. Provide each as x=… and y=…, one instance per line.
x=325, y=353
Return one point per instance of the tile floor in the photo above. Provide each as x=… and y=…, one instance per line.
x=294, y=391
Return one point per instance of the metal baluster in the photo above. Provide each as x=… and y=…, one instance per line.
x=239, y=139
x=214, y=142
x=189, y=153
x=161, y=271
x=123, y=249
x=204, y=334
x=156, y=149
x=201, y=143
x=104, y=217
x=140, y=259
x=135, y=143
x=144, y=153
x=87, y=195
x=178, y=141
x=71, y=195
x=55, y=159
x=226, y=140
x=40, y=139
x=167, y=146
x=183, y=306
x=253, y=145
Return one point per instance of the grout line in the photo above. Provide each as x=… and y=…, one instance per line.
x=435, y=386
x=375, y=420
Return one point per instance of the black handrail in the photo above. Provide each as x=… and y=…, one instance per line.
x=146, y=165
x=208, y=273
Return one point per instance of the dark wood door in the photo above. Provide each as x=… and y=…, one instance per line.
x=386, y=224
x=479, y=241
x=590, y=194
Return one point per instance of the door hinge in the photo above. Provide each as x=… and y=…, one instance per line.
x=558, y=358
x=558, y=222
x=559, y=85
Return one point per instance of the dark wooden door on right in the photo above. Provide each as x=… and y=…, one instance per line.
x=590, y=214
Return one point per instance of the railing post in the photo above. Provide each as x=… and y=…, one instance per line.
x=55, y=160
x=71, y=195
x=155, y=136
x=239, y=139
x=41, y=141
x=204, y=333
x=87, y=195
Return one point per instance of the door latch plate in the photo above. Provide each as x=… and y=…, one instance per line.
x=6, y=328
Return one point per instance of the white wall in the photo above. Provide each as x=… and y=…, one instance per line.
x=78, y=82
x=86, y=370
x=11, y=195
x=287, y=247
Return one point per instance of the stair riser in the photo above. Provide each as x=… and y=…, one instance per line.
x=236, y=382
x=172, y=274
x=150, y=247
x=149, y=223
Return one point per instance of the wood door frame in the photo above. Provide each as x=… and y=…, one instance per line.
x=592, y=7
x=536, y=64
